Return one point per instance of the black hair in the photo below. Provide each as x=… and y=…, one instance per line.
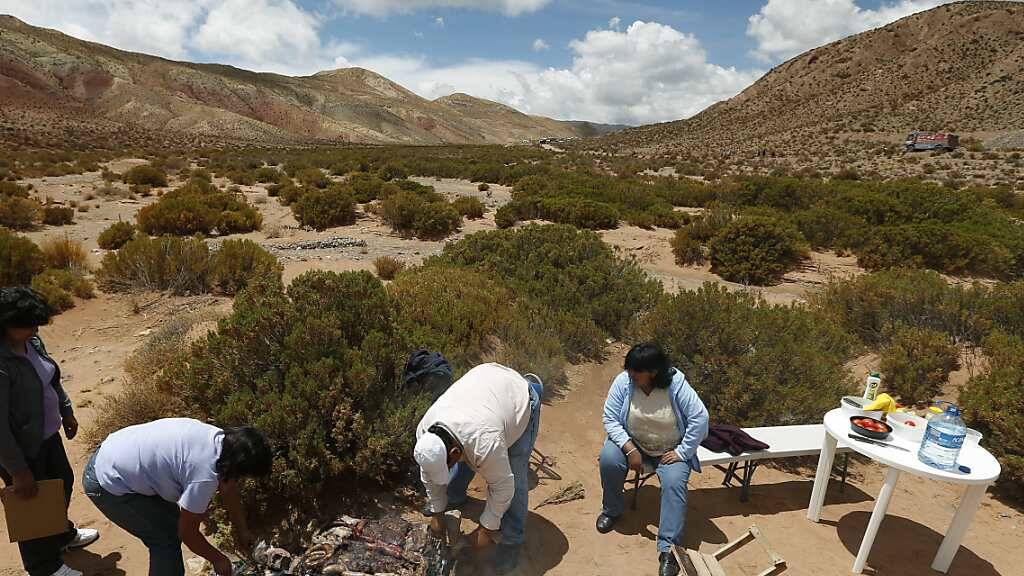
x=22, y=307
x=245, y=453
x=446, y=437
x=649, y=357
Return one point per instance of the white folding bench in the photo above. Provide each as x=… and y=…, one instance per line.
x=783, y=442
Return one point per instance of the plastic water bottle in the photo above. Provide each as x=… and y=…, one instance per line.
x=943, y=439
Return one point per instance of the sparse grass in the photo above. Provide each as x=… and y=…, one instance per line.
x=65, y=254
x=388, y=267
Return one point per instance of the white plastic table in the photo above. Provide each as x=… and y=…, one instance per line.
x=984, y=471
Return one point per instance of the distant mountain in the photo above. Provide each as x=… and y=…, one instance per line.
x=956, y=67
x=53, y=86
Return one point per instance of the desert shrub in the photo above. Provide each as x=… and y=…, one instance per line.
x=761, y=364
x=828, y=227
x=20, y=259
x=19, y=213
x=199, y=208
x=323, y=209
x=993, y=403
x=241, y=178
x=65, y=254
x=181, y=215
x=916, y=363
x=938, y=247
x=428, y=193
x=483, y=187
x=436, y=220
x=57, y=287
x=474, y=319
x=506, y=216
x=409, y=213
x=755, y=250
x=707, y=225
x=116, y=235
x=390, y=172
x=564, y=269
x=317, y=368
x=388, y=267
x=178, y=265
x=470, y=207
x=289, y=193
x=266, y=175
x=312, y=177
x=146, y=175
x=1003, y=309
x=12, y=190
x=365, y=187
x=239, y=263
x=578, y=212
x=687, y=250
x=874, y=306
x=58, y=215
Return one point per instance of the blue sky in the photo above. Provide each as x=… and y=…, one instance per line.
x=601, y=60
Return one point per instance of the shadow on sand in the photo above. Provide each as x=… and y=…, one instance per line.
x=905, y=547
x=544, y=549
x=704, y=504
x=94, y=564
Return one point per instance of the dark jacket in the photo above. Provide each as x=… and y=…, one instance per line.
x=731, y=439
x=21, y=406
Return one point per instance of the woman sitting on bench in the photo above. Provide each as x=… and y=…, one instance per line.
x=652, y=416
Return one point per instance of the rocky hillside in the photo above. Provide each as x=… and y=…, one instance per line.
x=956, y=67
x=53, y=86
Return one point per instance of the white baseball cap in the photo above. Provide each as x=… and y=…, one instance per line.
x=432, y=456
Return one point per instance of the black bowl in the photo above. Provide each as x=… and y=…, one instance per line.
x=870, y=433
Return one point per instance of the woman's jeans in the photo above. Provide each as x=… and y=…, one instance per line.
x=513, y=523
x=44, y=556
x=149, y=518
x=673, y=477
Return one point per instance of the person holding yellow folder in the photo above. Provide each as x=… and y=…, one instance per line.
x=33, y=410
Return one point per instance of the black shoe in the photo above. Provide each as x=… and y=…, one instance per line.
x=669, y=566
x=605, y=523
x=506, y=559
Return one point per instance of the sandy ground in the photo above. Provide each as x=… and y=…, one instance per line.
x=92, y=340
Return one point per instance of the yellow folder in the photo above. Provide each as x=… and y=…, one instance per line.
x=41, y=516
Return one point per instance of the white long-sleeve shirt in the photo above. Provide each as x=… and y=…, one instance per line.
x=487, y=411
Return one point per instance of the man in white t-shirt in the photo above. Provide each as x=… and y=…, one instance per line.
x=156, y=481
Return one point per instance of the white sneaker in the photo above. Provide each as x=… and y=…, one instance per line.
x=83, y=537
x=65, y=571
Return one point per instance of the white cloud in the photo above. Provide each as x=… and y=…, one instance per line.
x=152, y=26
x=384, y=7
x=244, y=33
x=251, y=30
x=785, y=28
x=648, y=73
x=539, y=45
x=615, y=23
x=439, y=22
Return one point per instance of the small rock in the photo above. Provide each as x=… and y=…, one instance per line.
x=145, y=332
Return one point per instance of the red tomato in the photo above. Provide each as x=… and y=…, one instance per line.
x=911, y=423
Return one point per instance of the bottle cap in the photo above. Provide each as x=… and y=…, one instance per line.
x=875, y=375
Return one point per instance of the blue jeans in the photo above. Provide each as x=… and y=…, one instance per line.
x=673, y=477
x=513, y=523
x=149, y=518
